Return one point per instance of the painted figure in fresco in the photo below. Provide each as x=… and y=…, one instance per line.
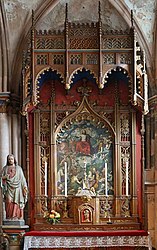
x=93, y=177
x=83, y=146
x=74, y=181
x=104, y=143
x=15, y=189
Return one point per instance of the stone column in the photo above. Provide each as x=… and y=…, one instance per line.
x=5, y=136
x=4, y=151
x=16, y=141
x=10, y=142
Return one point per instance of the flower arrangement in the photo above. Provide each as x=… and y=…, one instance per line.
x=52, y=217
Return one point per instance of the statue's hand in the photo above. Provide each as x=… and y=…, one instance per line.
x=25, y=191
x=4, y=177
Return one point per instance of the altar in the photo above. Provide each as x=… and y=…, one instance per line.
x=88, y=239
x=85, y=138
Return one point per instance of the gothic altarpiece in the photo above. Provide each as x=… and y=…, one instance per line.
x=84, y=98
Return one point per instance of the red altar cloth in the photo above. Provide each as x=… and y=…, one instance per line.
x=88, y=233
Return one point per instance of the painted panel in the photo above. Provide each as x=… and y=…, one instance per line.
x=85, y=148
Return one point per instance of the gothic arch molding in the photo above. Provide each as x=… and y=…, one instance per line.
x=81, y=113
x=124, y=72
x=85, y=127
x=43, y=72
x=81, y=70
x=116, y=69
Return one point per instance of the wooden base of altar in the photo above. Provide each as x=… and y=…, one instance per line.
x=107, y=224
x=87, y=240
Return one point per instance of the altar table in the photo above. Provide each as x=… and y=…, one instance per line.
x=82, y=239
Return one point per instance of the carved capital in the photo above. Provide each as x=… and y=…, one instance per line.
x=4, y=101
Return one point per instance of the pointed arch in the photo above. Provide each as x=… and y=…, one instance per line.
x=82, y=72
x=45, y=73
x=80, y=112
x=117, y=69
x=124, y=74
x=85, y=136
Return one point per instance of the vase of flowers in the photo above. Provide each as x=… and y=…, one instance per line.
x=52, y=216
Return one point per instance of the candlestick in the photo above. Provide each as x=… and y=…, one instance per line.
x=127, y=178
x=105, y=178
x=45, y=178
x=65, y=175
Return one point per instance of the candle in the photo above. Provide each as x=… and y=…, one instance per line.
x=65, y=175
x=127, y=178
x=105, y=178
x=85, y=176
x=85, y=170
x=45, y=178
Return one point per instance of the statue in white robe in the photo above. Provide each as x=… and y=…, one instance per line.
x=15, y=189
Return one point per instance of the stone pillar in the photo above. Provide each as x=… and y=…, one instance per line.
x=16, y=142
x=4, y=151
x=11, y=235
x=5, y=136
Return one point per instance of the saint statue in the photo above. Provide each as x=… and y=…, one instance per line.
x=15, y=189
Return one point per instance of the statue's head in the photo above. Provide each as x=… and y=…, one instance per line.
x=9, y=157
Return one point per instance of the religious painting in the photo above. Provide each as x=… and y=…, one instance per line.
x=85, y=159
x=86, y=215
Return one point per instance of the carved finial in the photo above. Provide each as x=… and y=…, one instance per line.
x=99, y=11
x=132, y=18
x=32, y=29
x=66, y=12
x=33, y=20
